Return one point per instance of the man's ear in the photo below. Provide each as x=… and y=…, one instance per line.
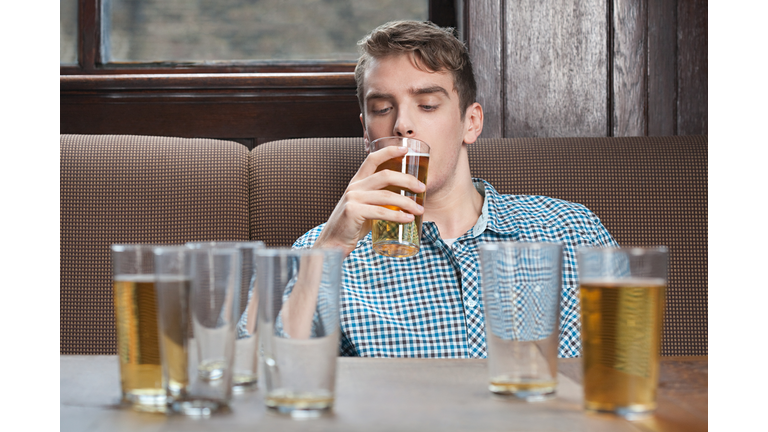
x=473, y=122
x=365, y=135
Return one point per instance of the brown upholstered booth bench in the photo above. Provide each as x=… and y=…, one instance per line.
x=138, y=189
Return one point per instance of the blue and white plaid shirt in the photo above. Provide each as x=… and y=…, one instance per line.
x=430, y=305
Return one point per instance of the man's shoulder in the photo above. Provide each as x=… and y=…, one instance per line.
x=540, y=210
x=540, y=205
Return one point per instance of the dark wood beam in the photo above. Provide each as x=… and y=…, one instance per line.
x=256, y=107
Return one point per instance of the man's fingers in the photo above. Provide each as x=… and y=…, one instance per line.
x=376, y=212
x=388, y=179
x=377, y=158
x=369, y=204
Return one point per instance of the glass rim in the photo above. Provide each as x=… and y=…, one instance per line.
x=631, y=250
x=125, y=247
x=404, y=139
x=169, y=248
x=184, y=248
x=226, y=244
x=289, y=251
x=492, y=246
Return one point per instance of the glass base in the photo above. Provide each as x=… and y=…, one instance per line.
x=530, y=391
x=196, y=408
x=244, y=383
x=146, y=400
x=629, y=412
x=211, y=370
x=395, y=249
x=300, y=405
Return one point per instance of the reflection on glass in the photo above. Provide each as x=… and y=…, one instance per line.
x=232, y=30
x=68, y=32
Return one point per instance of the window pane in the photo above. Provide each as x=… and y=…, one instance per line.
x=232, y=30
x=68, y=32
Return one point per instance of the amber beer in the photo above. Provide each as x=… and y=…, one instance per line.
x=138, y=343
x=319, y=400
x=512, y=385
x=621, y=332
x=394, y=239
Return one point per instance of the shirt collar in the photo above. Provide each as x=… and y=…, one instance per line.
x=489, y=215
x=494, y=205
x=482, y=221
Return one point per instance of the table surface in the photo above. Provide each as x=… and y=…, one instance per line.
x=394, y=395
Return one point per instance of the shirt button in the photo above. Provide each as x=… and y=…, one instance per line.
x=471, y=303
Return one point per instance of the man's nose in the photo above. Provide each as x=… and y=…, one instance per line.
x=404, y=126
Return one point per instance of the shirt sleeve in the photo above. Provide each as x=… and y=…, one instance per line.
x=602, y=236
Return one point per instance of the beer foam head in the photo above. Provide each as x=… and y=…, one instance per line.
x=412, y=152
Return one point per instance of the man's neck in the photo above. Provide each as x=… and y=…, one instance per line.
x=455, y=208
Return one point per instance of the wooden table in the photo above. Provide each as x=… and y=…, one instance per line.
x=394, y=395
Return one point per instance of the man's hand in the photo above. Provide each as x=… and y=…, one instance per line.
x=364, y=199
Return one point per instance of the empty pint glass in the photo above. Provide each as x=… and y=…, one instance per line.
x=246, y=342
x=138, y=346
x=394, y=239
x=198, y=292
x=622, y=309
x=299, y=328
x=521, y=301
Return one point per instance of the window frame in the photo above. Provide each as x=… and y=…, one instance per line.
x=92, y=43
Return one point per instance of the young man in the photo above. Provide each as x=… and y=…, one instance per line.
x=415, y=80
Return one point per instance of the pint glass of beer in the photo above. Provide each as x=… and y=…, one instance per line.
x=622, y=309
x=138, y=346
x=394, y=239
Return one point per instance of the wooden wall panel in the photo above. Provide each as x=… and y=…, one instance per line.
x=630, y=86
x=662, y=67
x=692, y=67
x=485, y=40
x=556, y=68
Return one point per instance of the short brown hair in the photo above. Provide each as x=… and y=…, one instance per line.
x=436, y=48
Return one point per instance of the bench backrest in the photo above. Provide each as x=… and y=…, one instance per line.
x=137, y=189
x=128, y=189
x=647, y=191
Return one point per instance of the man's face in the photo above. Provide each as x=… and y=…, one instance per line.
x=402, y=100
